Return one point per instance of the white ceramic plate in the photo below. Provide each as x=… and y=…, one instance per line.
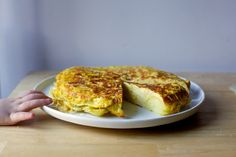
x=136, y=116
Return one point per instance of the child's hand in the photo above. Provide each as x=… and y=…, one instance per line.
x=14, y=110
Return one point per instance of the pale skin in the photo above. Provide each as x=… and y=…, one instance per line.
x=15, y=110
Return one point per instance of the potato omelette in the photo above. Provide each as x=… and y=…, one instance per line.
x=102, y=90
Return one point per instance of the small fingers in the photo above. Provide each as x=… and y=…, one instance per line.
x=21, y=116
x=29, y=105
x=24, y=93
x=33, y=96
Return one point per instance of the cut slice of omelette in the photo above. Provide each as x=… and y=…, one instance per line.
x=99, y=90
x=85, y=89
x=156, y=90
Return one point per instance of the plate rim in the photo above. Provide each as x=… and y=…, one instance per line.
x=106, y=124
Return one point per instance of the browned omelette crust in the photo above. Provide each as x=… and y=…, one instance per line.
x=173, y=90
x=102, y=83
x=83, y=85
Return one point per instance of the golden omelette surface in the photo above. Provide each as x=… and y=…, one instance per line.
x=172, y=90
x=89, y=90
x=99, y=90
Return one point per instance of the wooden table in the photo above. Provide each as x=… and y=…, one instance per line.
x=210, y=133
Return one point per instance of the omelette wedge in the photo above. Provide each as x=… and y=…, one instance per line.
x=161, y=92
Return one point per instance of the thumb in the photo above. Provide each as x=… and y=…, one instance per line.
x=21, y=116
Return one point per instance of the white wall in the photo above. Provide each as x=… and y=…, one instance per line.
x=183, y=35
x=19, y=47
